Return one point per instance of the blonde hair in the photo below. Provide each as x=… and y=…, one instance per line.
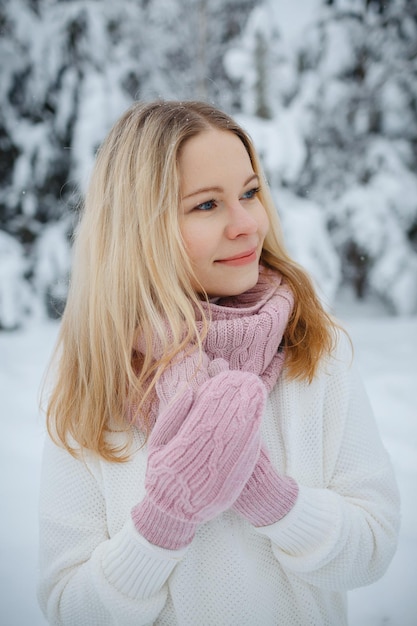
x=131, y=273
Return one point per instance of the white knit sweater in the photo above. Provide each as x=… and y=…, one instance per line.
x=96, y=570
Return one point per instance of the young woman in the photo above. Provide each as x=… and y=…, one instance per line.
x=212, y=457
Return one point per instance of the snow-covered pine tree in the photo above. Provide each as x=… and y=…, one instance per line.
x=69, y=67
x=342, y=84
x=276, y=114
x=184, y=45
x=62, y=85
x=362, y=148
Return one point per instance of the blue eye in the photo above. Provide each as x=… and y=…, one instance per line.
x=206, y=206
x=248, y=195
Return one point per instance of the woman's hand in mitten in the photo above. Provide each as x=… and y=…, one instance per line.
x=187, y=370
x=267, y=496
x=201, y=455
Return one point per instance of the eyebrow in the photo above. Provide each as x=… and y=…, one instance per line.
x=218, y=189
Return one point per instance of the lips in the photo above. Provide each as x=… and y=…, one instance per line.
x=248, y=256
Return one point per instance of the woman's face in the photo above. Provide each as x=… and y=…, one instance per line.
x=222, y=220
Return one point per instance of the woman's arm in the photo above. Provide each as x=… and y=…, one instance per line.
x=86, y=577
x=345, y=534
x=201, y=452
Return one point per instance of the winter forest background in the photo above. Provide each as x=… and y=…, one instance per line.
x=327, y=89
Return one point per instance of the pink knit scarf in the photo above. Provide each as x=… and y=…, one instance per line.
x=247, y=330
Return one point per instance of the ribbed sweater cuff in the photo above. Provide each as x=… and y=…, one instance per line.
x=312, y=523
x=134, y=566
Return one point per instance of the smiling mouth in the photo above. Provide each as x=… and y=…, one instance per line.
x=241, y=259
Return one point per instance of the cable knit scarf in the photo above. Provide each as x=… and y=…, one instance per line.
x=247, y=330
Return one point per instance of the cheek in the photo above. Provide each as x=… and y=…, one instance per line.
x=263, y=222
x=195, y=243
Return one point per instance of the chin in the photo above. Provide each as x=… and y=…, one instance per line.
x=236, y=285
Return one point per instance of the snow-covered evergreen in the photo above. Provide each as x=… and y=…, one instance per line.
x=69, y=68
x=340, y=87
x=327, y=89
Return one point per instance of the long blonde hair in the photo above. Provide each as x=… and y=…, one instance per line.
x=131, y=272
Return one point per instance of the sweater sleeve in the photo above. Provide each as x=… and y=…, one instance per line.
x=343, y=534
x=86, y=577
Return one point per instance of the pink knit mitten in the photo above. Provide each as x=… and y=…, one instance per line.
x=267, y=497
x=201, y=454
x=187, y=370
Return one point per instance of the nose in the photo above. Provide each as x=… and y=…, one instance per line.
x=240, y=221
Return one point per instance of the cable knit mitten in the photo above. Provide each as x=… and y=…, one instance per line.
x=187, y=371
x=267, y=497
x=201, y=454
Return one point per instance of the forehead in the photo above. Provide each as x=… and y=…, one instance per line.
x=213, y=154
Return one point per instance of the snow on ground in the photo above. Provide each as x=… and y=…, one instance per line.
x=386, y=355
x=386, y=352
